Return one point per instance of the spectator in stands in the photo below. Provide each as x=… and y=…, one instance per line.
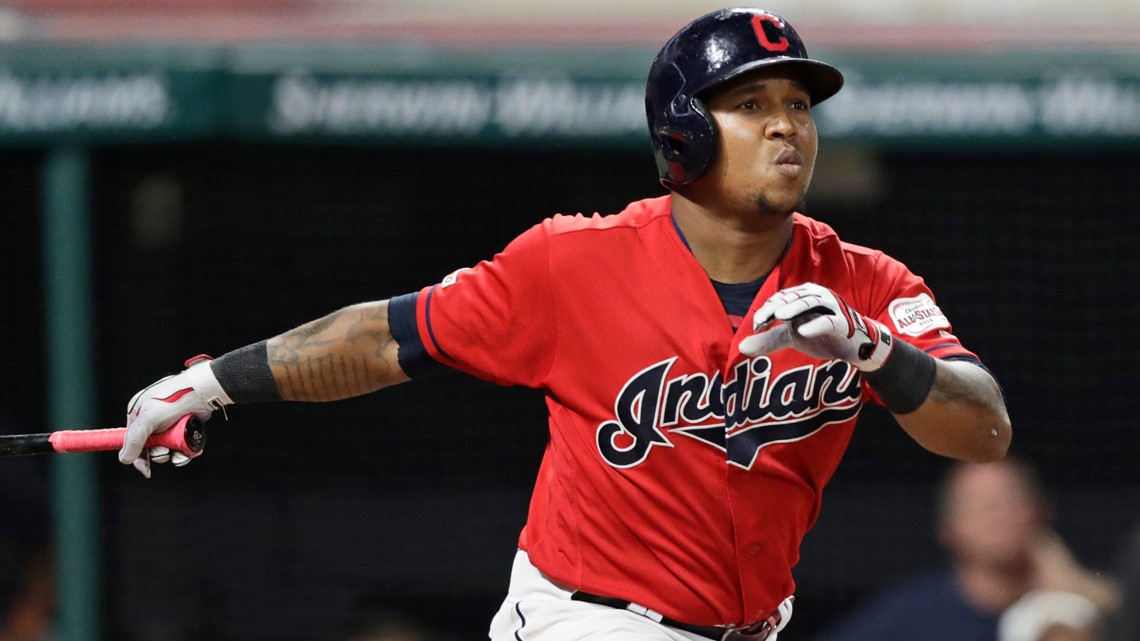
x=27, y=592
x=994, y=522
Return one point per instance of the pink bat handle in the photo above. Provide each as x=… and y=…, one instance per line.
x=185, y=436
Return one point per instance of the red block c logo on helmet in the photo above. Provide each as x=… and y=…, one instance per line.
x=758, y=25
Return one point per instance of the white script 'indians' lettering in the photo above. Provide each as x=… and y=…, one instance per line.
x=740, y=416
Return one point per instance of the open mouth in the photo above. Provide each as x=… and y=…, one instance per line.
x=790, y=162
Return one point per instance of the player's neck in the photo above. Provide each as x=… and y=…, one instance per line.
x=732, y=249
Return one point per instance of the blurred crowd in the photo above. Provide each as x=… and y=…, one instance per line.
x=1011, y=577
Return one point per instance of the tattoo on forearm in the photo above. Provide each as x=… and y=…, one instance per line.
x=951, y=386
x=347, y=353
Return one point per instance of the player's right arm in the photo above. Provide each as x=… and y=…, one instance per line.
x=347, y=353
x=495, y=321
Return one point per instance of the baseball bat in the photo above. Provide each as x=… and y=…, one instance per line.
x=186, y=436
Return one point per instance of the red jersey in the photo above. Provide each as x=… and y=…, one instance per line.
x=680, y=474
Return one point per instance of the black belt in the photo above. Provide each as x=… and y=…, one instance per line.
x=758, y=631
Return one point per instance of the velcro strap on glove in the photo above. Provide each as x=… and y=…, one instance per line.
x=874, y=354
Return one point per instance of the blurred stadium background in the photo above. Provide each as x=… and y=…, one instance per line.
x=179, y=176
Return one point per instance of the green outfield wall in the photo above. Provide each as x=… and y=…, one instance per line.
x=409, y=95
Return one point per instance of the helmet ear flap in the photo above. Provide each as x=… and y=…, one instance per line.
x=673, y=144
x=683, y=132
x=671, y=147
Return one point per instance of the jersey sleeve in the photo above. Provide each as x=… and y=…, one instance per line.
x=495, y=321
x=902, y=301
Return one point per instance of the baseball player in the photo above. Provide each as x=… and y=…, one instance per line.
x=704, y=356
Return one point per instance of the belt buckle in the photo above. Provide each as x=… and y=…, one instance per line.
x=758, y=631
x=752, y=632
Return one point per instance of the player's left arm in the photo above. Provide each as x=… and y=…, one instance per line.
x=963, y=416
x=952, y=408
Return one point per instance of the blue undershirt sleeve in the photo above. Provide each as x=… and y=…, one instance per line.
x=413, y=358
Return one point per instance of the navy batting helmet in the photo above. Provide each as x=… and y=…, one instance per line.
x=707, y=52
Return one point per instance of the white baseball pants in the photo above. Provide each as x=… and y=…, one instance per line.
x=538, y=609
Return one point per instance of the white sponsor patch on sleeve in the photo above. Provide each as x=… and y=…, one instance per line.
x=914, y=316
x=450, y=279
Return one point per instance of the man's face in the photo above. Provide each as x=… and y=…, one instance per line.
x=767, y=142
x=992, y=516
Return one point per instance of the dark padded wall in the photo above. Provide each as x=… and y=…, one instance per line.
x=301, y=515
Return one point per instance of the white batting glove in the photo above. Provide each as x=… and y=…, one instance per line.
x=155, y=408
x=814, y=320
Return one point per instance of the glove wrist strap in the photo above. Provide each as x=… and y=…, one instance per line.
x=881, y=348
x=905, y=378
x=201, y=378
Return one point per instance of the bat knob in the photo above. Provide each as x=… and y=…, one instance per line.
x=194, y=434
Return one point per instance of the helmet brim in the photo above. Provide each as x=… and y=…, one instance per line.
x=821, y=79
